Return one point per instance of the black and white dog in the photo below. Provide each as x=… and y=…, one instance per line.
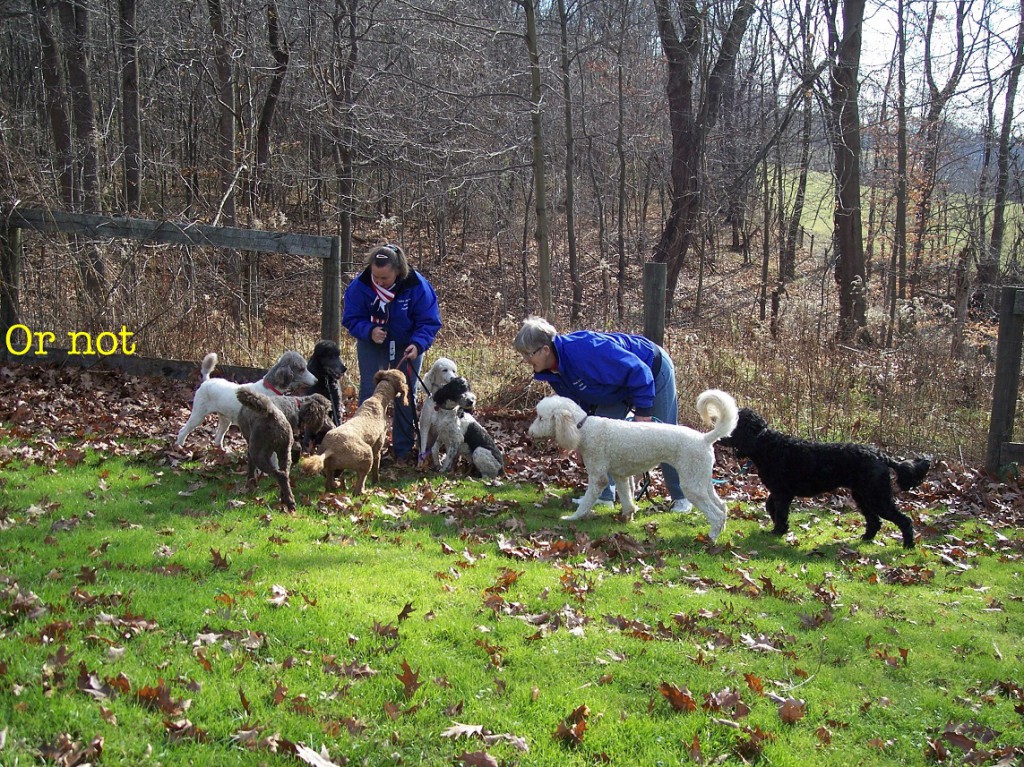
x=459, y=433
x=791, y=467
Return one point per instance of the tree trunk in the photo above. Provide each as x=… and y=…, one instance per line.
x=279, y=48
x=988, y=269
x=10, y=282
x=74, y=16
x=848, y=234
x=128, y=42
x=898, y=266
x=238, y=276
x=787, y=259
x=75, y=20
x=570, y=167
x=56, y=105
x=932, y=129
x=690, y=121
x=620, y=206
x=539, y=170
x=343, y=100
x=228, y=108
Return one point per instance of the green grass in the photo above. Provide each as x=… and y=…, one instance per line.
x=883, y=647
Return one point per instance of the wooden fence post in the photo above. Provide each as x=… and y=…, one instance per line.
x=1005, y=387
x=655, y=279
x=330, y=319
x=10, y=282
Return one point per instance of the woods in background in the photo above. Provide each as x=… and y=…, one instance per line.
x=565, y=142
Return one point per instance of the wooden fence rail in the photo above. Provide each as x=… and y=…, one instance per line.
x=12, y=221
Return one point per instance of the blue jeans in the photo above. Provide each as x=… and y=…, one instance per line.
x=373, y=357
x=666, y=410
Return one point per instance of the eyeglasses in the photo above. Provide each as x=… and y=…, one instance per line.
x=529, y=355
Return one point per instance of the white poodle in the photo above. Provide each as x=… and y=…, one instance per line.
x=441, y=372
x=624, y=448
x=218, y=395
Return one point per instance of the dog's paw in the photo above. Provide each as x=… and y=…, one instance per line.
x=578, y=516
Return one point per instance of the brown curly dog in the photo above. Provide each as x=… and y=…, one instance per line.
x=358, y=443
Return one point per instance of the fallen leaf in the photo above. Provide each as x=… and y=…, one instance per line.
x=680, y=698
x=410, y=679
x=457, y=731
x=477, y=759
x=571, y=730
x=278, y=596
x=792, y=710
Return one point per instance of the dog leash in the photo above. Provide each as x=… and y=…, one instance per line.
x=409, y=373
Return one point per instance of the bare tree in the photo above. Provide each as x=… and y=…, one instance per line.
x=131, y=129
x=570, y=164
x=938, y=98
x=227, y=109
x=74, y=17
x=988, y=268
x=693, y=112
x=787, y=257
x=278, y=43
x=51, y=68
x=539, y=172
x=898, y=265
x=845, y=129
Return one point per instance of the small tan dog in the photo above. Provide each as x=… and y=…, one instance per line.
x=358, y=443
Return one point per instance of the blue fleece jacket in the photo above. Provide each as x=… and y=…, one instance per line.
x=413, y=315
x=603, y=369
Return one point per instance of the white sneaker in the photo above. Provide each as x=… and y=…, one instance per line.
x=681, y=506
x=599, y=502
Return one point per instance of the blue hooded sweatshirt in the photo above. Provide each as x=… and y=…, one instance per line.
x=605, y=368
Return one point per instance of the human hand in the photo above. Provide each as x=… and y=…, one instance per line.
x=378, y=335
x=411, y=352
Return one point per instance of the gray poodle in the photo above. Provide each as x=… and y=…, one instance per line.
x=270, y=441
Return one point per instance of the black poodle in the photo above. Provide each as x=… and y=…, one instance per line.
x=328, y=368
x=791, y=467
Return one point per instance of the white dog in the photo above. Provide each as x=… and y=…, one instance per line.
x=441, y=372
x=218, y=395
x=624, y=448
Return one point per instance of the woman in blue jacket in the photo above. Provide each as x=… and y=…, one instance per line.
x=391, y=310
x=607, y=374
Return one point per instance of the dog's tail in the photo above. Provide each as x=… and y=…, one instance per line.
x=209, y=363
x=312, y=464
x=909, y=473
x=258, y=402
x=719, y=410
x=488, y=461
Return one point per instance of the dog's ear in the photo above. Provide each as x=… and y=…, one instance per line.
x=403, y=392
x=315, y=411
x=566, y=434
